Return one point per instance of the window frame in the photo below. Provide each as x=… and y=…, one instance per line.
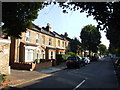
x=37, y=38
x=43, y=40
x=50, y=41
x=58, y=43
x=27, y=39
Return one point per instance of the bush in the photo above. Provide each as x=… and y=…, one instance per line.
x=65, y=56
x=71, y=53
x=80, y=55
x=37, y=60
x=4, y=77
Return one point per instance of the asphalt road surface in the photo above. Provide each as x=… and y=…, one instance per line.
x=98, y=74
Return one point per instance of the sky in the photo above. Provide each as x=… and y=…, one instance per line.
x=72, y=23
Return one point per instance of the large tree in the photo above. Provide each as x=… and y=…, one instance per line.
x=75, y=45
x=107, y=14
x=90, y=38
x=17, y=16
x=102, y=49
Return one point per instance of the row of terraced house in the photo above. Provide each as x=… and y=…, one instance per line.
x=37, y=43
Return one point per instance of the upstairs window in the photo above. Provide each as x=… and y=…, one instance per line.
x=58, y=43
x=43, y=39
x=28, y=36
x=50, y=41
x=37, y=38
x=63, y=44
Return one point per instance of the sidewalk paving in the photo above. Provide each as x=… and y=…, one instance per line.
x=52, y=69
x=23, y=76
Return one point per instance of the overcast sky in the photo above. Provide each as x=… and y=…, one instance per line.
x=72, y=23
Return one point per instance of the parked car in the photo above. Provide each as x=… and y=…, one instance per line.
x=74, y=62
x=87, y=60
x=82, y=61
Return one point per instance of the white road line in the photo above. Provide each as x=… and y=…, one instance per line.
x=79, y=85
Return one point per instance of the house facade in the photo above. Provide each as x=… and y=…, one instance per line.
x=37, y=43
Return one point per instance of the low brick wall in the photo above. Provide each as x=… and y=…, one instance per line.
x=22, y=65
x=31, y=66
x=43, y=65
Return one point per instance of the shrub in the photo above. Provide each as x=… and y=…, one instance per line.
x=71, y=53
x=37, y=60
x=80, y=55
x=65, y=56
x=4, y=77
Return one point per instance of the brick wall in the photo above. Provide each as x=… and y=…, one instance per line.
x=43, y=65
x=31, y=66
x=4, y=56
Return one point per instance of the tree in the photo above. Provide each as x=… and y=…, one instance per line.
x=90, y=38
x=75, y=45
x=113, y=50
x=107, y=14
x=17, y=16
x=102, y=49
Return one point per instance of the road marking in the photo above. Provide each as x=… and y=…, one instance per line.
x=79, y=85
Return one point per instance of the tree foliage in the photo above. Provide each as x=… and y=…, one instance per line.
x=113, y=50
x=75, y=45
x=102, y=49
x=107, y=14
x=17, y=16
x=90, y=38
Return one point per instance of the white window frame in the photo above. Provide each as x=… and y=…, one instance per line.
x=43, y=40
x=29, y=52
x=50, y=41
x=29, y=48
x=37, y=38
x=52, y=55
x=27, y=39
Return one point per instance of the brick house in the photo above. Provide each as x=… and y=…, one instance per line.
x=37, y=43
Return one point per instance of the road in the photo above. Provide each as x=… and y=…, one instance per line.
x=98, y=74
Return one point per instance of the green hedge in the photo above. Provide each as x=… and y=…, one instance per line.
x=65, y=56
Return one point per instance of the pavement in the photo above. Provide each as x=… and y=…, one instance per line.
x=18, y=77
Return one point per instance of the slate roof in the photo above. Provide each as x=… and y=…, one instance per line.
x=45, y=31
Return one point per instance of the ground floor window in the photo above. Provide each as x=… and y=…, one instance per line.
x=60, y=52
x=38, y=55
x=51, y=55
x=29, y=55
x=43, y=54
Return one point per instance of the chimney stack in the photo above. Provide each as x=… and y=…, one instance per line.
x=48, y=27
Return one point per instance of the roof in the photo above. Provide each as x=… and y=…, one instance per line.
x=44, y=31
x=57, y=35
x=35, y=28
x=47, y=32
x=53, y=48
x=41, y=30
x=29, y=44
